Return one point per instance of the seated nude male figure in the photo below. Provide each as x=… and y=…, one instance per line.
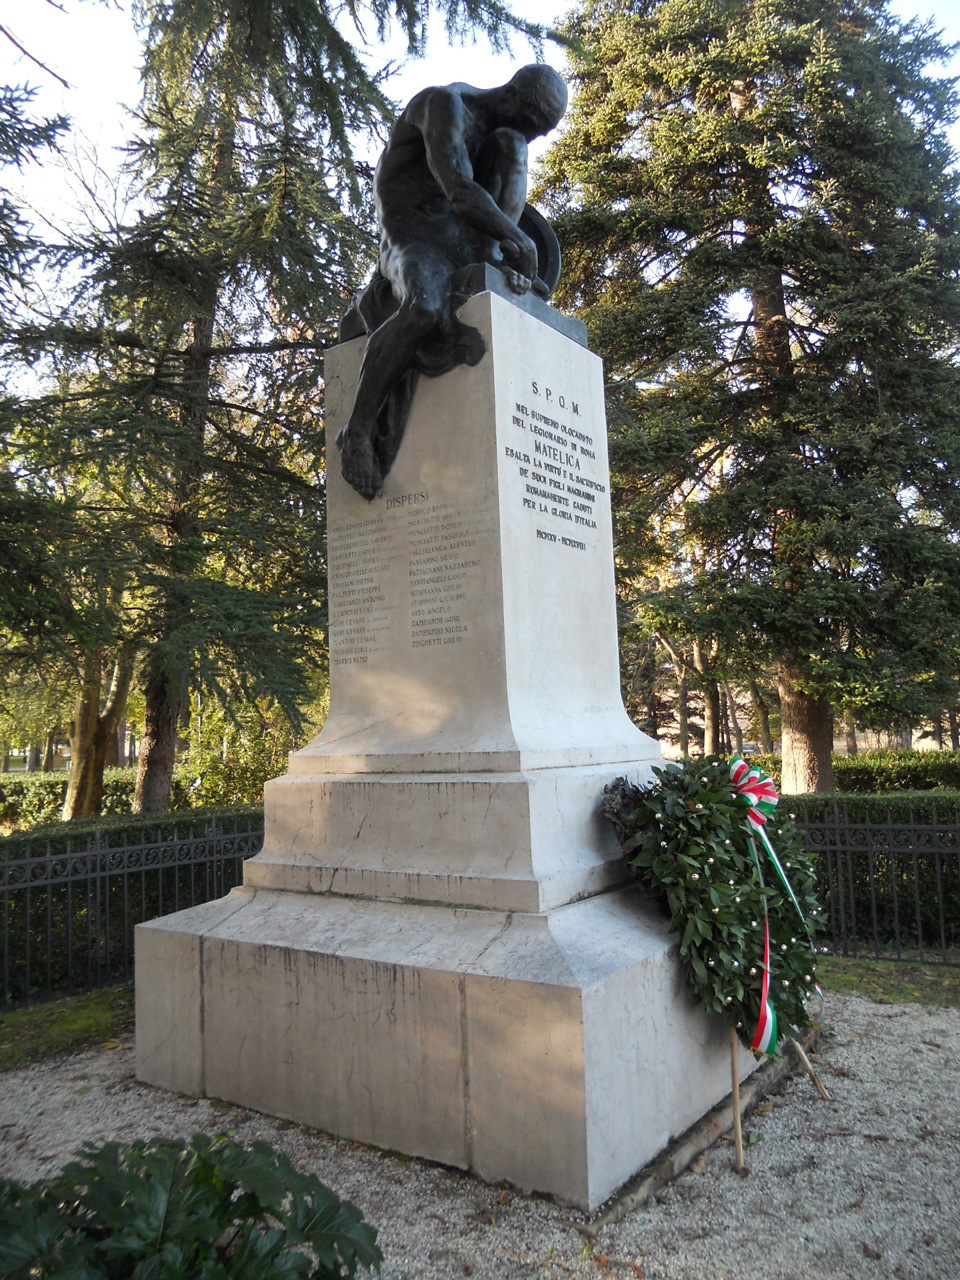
x=449, y=189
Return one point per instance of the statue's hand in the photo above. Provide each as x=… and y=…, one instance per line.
x=521, y=253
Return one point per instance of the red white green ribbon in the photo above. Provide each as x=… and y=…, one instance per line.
x=760, y=793
x=765, y=1037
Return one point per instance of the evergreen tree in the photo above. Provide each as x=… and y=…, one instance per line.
x=187, y=364
x=760, y=222
x=28, y=522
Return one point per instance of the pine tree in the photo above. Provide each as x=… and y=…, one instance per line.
x=760, y=222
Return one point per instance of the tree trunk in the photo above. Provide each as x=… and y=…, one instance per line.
x=954, y=729
x=86, y=712
x=807, y=741
x=938, y=733
x=5, y=760
x=733, y=722
x=712, y=744
x=850, y=733
x=158, y=746
x=166, y=690
x=91, y=732
x=763, y=718
x=683, y=716
x=33, y=760
x=49, y=751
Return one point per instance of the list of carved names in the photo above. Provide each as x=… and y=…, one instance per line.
x=404, y=573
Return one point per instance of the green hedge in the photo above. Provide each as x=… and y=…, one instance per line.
x=876, y=772
x=29, y=799
x=143, y=828
x=885, y=881
x=895, y=806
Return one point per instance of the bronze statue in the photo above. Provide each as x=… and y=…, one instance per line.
x=450, y=191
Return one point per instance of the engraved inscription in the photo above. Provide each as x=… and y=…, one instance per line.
x=555, y=462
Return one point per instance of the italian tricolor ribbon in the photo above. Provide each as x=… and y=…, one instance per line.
x=760, y=794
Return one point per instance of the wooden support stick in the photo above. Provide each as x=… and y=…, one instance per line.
x=813, y=1075
x=735, y=1072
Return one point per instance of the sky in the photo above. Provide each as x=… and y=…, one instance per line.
x=93, y=46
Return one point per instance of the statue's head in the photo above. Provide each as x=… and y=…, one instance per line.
x=534, y=100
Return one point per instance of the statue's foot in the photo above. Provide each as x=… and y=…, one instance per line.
x=517, y=282
x=358, y=464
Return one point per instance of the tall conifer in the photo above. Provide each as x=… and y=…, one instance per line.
x=187, y=404
x=761, y=225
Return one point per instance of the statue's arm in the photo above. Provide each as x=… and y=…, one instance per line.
x=442, y=120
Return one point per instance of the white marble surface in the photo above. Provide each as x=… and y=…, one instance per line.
x=432, y=953
x=472, y=608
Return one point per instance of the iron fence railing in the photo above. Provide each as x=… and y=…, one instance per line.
x=68, y=906
x=889, y=888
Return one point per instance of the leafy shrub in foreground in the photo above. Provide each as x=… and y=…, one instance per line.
x=207, y=1209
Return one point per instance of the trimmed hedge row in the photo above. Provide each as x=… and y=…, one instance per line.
x=29, y=799
x=895, y=806
x=121, y=829
x=876, y=772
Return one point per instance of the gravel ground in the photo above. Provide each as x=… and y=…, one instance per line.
x=863, y=1186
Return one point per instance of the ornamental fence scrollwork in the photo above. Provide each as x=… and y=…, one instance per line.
x=69, y=908
x=889, y=889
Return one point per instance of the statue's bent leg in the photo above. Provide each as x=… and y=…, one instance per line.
x=391, y=351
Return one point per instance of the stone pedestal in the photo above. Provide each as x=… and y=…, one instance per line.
x=435, y=951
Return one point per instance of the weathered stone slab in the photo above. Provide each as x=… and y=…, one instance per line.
x=545, y=1049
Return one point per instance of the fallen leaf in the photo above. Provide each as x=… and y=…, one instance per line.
x=468, y=1268
x=931, y=1044
x=439, y=1217
x=877, y=1137
x=857, y=1204
x=840, y=1071
x=870, y=1253
x=637, y=1272
x=503, y=1197
x=764, y=1106
x=600, y=1259
x=928, y=1133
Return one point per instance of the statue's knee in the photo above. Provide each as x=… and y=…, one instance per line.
x=421, y=314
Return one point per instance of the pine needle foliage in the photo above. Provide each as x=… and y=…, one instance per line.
x=759, y=213
x=179, y=432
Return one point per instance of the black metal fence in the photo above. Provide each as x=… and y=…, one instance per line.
x=68, y=906
x=889, y=888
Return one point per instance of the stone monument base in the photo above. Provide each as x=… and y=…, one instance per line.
x=556, y=1051
x=435, y=951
